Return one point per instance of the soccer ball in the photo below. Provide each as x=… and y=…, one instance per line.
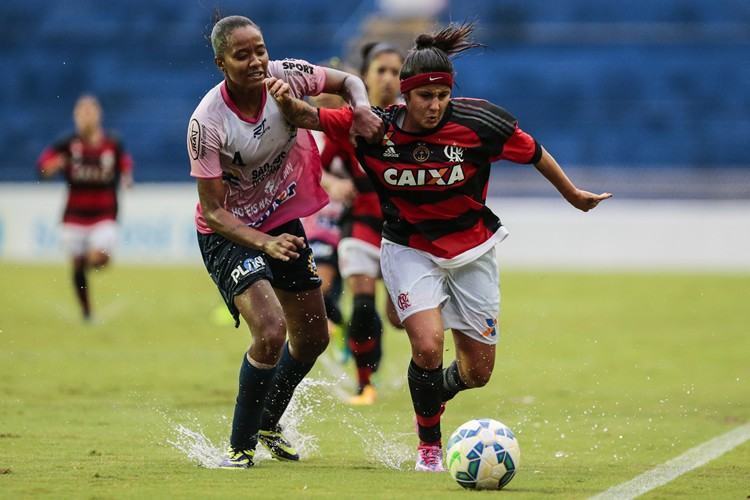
x=483, y=455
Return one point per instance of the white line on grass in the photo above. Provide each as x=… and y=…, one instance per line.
x=668, y=471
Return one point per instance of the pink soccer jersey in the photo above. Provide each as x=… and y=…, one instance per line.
x=272, y=170
x=324, y=225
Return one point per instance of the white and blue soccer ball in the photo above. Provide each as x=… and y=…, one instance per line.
x=483, y=454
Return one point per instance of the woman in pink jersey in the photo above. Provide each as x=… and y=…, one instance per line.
x=438, y=252
x=257, y=175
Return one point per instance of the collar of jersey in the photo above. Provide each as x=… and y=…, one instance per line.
x=231, y=105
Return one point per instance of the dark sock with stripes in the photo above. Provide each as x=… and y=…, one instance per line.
x=452, y=383
x=426, y=387
x=365, y=338
x=82, y=289
x=332, y=308
x=289, y=373
x=254, y=384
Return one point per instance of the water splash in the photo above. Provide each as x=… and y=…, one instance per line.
x=197, y=447
x=313, y=401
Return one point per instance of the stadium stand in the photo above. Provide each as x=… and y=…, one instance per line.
x=609, y=84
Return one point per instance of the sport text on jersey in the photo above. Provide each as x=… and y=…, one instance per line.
x=295, y=66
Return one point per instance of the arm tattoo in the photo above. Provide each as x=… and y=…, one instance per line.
x=302, y=115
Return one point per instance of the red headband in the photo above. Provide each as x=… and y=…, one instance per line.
x=426, y=79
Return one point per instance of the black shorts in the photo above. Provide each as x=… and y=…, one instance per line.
x=234, y=267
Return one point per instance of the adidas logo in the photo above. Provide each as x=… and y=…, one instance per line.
x=390, y=153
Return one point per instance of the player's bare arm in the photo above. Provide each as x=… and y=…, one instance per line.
x=52, y=165
x=366, y=123
x=582, y=200
x=296, y=111
x=211, y=193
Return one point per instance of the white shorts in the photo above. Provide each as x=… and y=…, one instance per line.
x=358, y=257
x=469, y=295
x=78, y=240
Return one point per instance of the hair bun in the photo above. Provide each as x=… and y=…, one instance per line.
x=424, y=41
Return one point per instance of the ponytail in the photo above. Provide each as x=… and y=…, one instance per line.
x=432, y=51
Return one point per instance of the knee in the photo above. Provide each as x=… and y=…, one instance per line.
x=268, y=341
x=428, y=351
x=98, y=260
x=476, y=377
x=311, y=342
x=314, y=344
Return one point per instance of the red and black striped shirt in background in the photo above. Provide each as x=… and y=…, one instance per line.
x=363, y=220
x=92, y=173
x=433, y=185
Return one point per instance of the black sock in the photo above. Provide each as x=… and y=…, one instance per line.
x=332, y=308
x=254, y=384
x=82, y=289
x=426, y=387
x=452, y=383
x=289, y=373
x=365, y=337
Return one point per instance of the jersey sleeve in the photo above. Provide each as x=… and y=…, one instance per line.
x=303, y=78
x=204, y=139
x=515, y=144
x=60, y=147
x=520, y=147
x=336, y=123
x=124, y=160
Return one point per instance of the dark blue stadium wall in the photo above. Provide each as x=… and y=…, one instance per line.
x=602, y=83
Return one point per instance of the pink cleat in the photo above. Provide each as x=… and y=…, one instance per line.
x=429, y=458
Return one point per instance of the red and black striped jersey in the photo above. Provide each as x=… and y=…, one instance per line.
x=92, y=173
x=364, y=218
x=433, y=185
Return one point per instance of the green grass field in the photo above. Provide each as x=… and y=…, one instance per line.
x=602, y=376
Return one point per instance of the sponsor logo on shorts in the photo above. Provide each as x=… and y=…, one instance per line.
x=248, y=266
x=312, y=267
x=491, y=330
x=403, y=301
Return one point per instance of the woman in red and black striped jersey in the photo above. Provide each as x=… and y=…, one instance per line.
x=94, y=165
x=431, y=171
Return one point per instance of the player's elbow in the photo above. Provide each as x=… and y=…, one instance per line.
x=213, y=218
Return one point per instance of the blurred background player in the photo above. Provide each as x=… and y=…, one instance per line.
x=94, y=165
x=256, y=176
x=359, y=249
x=323, y=228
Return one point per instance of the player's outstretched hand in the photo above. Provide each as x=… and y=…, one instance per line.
x=279, y=90
x=283, y=247
x=367, y=124
x=583, y=200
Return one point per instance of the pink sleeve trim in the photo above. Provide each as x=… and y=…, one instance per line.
x=205, y=176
